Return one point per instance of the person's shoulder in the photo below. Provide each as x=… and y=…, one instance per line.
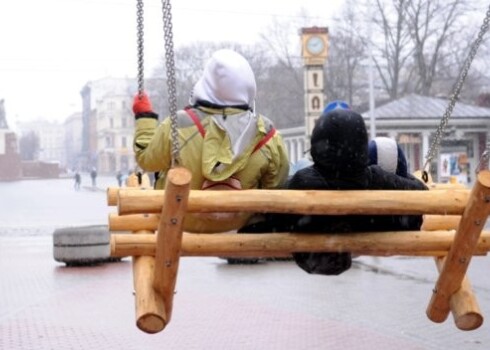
x=268, y=124
x=382, y=179
x=306, y=178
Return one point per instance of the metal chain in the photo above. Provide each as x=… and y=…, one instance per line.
x=171, y=84
x=485, y=156
x=140, y=55
x=456, y=91
x=140, y=33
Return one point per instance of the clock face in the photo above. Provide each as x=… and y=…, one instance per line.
x=315, y=45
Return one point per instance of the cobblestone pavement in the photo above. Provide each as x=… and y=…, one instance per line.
x=378, y=304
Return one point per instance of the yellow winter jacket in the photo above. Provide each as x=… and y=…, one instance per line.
x=265, y=168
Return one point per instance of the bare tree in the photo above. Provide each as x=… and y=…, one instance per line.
x=434, y=26
x=449, y=68
x=345, y=73
x=389, y=38
x=419, y=45
x=483, y=100
x=278, y=41
x=452, y=59
x=281, y=94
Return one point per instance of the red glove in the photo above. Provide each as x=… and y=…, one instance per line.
x=142, y=104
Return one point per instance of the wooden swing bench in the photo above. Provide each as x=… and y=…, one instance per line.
x=452, y=233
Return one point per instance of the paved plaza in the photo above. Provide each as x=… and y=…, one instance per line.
x=378, y=304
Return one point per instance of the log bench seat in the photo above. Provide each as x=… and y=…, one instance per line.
x=452, y=233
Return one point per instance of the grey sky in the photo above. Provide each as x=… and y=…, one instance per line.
x=51, y=48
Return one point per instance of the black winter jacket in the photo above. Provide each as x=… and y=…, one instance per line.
x=340, y=155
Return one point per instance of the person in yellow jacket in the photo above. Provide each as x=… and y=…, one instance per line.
x=222, y=140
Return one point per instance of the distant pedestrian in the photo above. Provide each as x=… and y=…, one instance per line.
x=78, y=181
x=119, y=177
x=93, y=176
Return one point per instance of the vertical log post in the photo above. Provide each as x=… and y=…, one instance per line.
x=169, y=235
x=461, y=251
x=149, y=306
x=464, y=306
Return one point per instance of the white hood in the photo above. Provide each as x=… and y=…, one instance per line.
x=387, y=153
x=228, y=80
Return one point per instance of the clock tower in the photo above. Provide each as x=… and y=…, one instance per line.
x=314, y=50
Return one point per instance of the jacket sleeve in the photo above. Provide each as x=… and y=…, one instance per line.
x=383, y=180
x=278, y=169
x=152, y=145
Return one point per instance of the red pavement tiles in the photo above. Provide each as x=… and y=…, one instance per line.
x=77, y=300
x=45, y=305
x=97, y=317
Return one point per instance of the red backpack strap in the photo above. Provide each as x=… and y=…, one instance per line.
x=196, y=121
x=264, y=140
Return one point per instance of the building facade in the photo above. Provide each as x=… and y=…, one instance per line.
x=73, y=141
x=51, y=136
x=108, y=125
x=413, y=121
x=10, y=168
x=296, y=142
x=10, y=165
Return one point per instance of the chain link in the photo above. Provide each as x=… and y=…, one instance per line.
x=483, y=159
x=140, y=33
x=171, y=84
x=434, y=147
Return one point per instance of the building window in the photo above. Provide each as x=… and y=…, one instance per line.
x=108, y=141
x=124, y=122
x=111, y=106
x=124, y=141
x=111, y=122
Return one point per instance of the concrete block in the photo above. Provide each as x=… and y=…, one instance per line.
x=83, y=245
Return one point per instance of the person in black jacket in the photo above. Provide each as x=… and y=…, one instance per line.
x=339, y=150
